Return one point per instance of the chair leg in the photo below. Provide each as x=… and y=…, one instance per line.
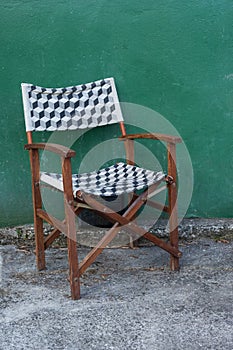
x=173, y=225
x=172, y=208
x=39, y=240
x=71, y=230
x=74, y=273
x=73, y=270
x=174, y=261
x=73, y=257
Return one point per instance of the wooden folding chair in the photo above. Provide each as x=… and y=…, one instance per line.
x=88, y=106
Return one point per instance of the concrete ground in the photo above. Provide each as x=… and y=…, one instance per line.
x=130, y=299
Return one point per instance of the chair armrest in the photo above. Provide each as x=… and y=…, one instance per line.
x=153, y=136
x=62, y=151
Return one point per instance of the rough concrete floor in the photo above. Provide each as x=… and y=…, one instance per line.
x=130, y=299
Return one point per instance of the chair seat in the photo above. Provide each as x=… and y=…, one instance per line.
x=111, y=181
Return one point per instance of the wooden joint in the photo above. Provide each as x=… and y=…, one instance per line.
x=169, y=180
x=144, y=199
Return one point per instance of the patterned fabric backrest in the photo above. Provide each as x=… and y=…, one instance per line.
x=76, y=107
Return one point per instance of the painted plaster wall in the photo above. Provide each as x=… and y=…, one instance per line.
x=178, y=53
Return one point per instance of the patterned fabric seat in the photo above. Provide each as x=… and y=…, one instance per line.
x=114, y=180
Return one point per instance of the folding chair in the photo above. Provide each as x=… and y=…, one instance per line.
x=88, y=106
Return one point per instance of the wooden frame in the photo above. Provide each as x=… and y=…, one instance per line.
x=73, y=206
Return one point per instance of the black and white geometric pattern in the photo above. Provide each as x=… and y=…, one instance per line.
x=114, y=180
x=76, y=107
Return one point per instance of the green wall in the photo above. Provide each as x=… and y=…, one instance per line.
x=180, y=54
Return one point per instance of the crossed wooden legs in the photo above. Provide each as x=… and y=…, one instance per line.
x=131, y=227
x=119, y=221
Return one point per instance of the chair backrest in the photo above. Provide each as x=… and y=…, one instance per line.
x=76, y=107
